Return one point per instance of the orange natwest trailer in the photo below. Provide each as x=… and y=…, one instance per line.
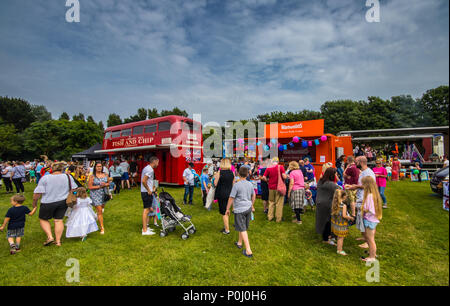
x=319, y=151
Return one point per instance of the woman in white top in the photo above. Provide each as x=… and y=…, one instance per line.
x=7, y=179
x=54, y=189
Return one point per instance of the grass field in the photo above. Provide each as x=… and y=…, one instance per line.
x=412, y=240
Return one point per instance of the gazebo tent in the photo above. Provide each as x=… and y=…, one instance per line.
x=90, y=154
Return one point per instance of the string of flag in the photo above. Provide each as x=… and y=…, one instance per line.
x=281, y=147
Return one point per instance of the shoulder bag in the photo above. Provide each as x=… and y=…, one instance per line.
x=72, y=196
x=281, y=186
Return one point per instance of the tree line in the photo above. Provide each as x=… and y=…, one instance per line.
x=27, y=131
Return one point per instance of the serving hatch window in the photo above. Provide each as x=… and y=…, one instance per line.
x=115, y=134
x=126, y=132
x=138, y=130
x=164, y=126
x=150, y=128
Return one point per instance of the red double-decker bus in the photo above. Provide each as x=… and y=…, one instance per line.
x=138, y=141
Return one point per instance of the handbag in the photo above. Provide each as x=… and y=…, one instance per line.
x=210, y=197
x=106, y=196
x=281, y=186
x=72, y=196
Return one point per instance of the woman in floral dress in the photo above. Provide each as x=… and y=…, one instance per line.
x=98, y=185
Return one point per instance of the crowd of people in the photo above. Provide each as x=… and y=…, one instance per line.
x=352, y=196
x=342, y=195
x=93, y=186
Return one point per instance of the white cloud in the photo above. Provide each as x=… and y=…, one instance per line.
x=226, y=60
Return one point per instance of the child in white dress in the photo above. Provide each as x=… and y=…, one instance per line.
x=82, y=220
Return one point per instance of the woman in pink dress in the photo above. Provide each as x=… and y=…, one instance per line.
x=395, y=169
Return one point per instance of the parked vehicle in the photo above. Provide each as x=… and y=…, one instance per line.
x=437, y=180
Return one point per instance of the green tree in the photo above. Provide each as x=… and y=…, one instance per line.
x=101, y=126
x=175, y=111
x=435, y=104
x=152, y=113
x=59, y=139
x=17, y=112
x=90, y=119
x=42, y=138
x=342, y=115
x=282, y=117
x=405, y=111
x=374, y=114
x=41, y=113
x=79, y=117
x=113, y=120
x=64, y=116
x=9, y=142
x=140, y=116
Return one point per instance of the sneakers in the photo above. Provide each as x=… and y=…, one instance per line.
x=12, y=249
x=149, y=232
x=225, y=232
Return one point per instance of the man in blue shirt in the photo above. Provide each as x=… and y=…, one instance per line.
x=204, y=182
x=38, y=171
x=309, y=171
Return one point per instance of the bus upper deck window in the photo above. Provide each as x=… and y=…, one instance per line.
x=138, y=130
x=164, y=126
x=150, y=128
x=115, y=134
x=126, y=132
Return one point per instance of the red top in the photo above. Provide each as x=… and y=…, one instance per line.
x=272, y=175
x=353, y=172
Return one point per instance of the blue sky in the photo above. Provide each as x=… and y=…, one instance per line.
x=224, y=59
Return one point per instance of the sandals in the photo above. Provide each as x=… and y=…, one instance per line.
x=368, y=259
x=49, y=242
x=330, y=242
x=247, y=255
x=363, y=246
x=239, y=246
x=342, y=253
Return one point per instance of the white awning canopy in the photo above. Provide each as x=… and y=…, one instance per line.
x=165, y=146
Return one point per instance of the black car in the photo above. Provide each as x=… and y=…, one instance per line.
x=437, y=179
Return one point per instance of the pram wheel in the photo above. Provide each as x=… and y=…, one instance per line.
x=184, y=236
x=163, y=234
x=192, y=231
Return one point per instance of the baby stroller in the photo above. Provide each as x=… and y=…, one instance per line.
x=171, y=216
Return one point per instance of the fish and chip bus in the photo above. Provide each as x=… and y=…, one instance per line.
x=175, y=140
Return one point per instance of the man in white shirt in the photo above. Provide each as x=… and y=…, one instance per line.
x=125, y=177
x=188, y=177
x=361, y=163
x=147, y=189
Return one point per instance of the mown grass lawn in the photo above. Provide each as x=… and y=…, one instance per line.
x=413, y=248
